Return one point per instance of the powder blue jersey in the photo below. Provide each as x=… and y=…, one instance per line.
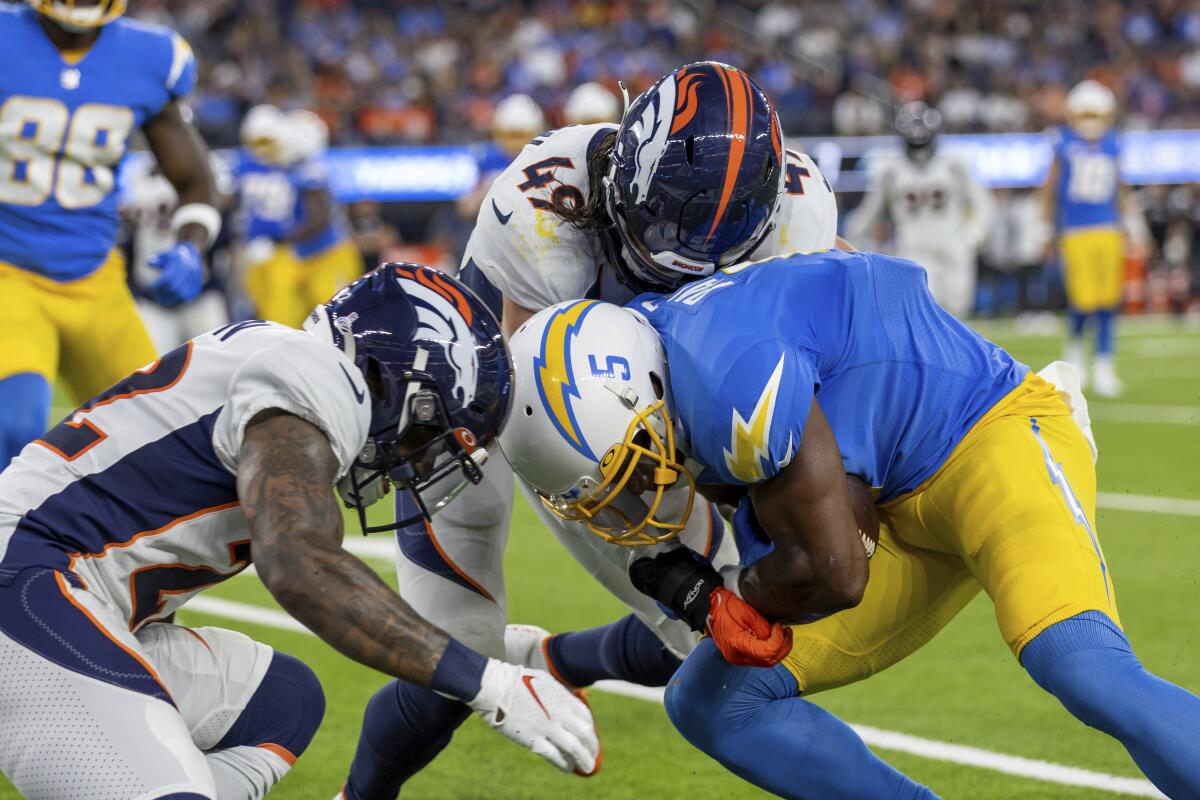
x=1088, y=180
x=270, y=200
x=64, y=129
x=900, y=380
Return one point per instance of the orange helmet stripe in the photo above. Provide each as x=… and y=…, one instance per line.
x=738, y=106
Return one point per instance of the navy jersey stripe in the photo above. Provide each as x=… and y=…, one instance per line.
x=146, y=490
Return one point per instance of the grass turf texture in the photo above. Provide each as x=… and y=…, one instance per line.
x=965, y=687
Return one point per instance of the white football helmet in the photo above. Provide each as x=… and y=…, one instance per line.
x=262, y=133
x=590, y=430
x=1091, y=109
x=308, y=135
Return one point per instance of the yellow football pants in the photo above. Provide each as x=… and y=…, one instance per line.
x=286, y=288
x=1012, y=511
x=1093, y=261
x=86, y=331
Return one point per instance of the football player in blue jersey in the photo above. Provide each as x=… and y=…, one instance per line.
x=770, y=382
x=1085, y=201
x=298, y=249
x=76, y=82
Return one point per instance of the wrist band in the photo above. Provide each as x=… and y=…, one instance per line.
x=201, y=214
x=459, y=673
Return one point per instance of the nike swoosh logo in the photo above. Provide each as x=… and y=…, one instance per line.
x=358, y=393
x=502, y=217
x=528, y=680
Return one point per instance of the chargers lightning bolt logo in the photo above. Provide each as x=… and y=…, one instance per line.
x=750, y=438
x=556, y=376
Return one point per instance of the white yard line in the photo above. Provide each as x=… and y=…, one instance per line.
x=876, y=737
x=1148, y=504
x=1147, y=413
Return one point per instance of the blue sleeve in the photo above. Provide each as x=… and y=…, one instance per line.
x=759, y=414
x=181, y=77
x=310, y=175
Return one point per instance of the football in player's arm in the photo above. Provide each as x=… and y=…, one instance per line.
x=821, y=381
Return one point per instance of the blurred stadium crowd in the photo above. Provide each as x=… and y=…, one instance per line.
x=395, y=71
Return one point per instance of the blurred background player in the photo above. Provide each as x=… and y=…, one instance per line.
x=298, y=250
x=147, y=203
x=1083, y=200
x=590, y=103
x=76, y=82
x=516, y=121
x=940, y=215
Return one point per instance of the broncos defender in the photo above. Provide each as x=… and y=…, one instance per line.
x=223, y=452
x=695, y=177
x=781, y=377
x=1084, y=201
x=77, y=80
x=940, y=215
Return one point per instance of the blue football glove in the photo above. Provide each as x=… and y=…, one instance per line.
x=752, y=541
x=182, y=275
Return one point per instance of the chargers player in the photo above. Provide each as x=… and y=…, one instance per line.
x=147, y=203
x=1083, y=199
x=76, y=82
x=694, y=178
x=297, y=247
x=779, y=378
x=224, y=452
x=940, y=214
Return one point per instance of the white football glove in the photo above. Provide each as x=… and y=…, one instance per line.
x=537, y=712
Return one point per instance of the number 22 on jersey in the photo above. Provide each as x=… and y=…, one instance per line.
x=46, y=150
x=77, y=434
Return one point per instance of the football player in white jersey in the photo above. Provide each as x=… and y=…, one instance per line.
x=225, y=451
x=695, y=177
x=939, y=213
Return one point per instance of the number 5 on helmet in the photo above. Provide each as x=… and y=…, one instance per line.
x=591, y=429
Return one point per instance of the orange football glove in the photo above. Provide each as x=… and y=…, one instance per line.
x=744, y=636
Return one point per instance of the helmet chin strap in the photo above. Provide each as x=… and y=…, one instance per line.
x=624, y=97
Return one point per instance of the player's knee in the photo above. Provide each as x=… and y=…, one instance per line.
x=25, y=399
x=690, y=707
x=1086, y=662
x=708, y=698
x=285, y=710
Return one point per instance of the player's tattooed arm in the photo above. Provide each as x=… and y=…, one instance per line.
x=183, y=158
x=286, y=471
x=818, y=565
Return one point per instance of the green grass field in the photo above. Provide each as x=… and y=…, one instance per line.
x=964, y=688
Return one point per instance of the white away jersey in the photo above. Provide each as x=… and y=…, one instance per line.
x=934, y=206
x=536, y=260
x=135, y=492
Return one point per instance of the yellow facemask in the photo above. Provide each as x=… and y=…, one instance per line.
x=74, y=16
x=622, y=517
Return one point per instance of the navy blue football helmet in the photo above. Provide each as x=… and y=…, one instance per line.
x=697, y=170
x=440, y=380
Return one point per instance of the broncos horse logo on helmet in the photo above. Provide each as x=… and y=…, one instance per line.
x=439, y=378
x=696, y=173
